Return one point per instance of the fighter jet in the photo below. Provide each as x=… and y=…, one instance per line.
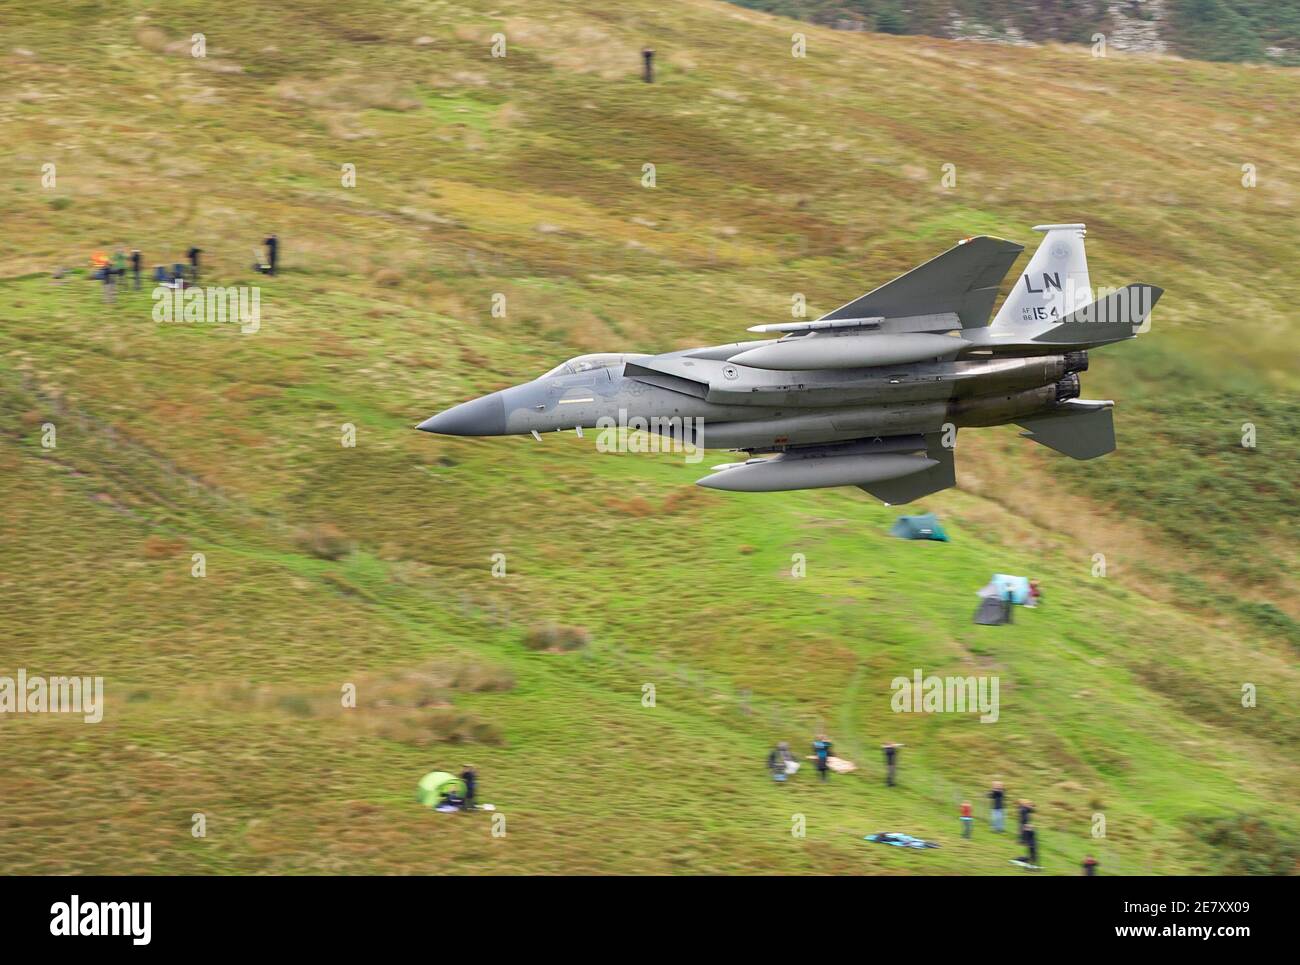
x=869, y=395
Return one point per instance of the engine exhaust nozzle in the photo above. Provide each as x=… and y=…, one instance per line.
x=1067, y=388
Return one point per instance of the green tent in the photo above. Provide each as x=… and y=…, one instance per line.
x=919, y=527
x=437, y=783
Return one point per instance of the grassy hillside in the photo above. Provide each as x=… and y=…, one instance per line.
x=328, y=565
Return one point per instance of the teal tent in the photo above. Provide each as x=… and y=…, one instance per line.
x=919, y=527
x=435, y=784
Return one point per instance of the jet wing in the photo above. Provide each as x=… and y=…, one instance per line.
x=961, y=282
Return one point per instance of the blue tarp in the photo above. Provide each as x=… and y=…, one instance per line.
x=1019, y=587
x=899, y=840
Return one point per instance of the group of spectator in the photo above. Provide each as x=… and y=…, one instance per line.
x=781, y=763
x=112, y=270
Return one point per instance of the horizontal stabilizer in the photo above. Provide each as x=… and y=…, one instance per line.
x=1083, y=431
x=1111, y=319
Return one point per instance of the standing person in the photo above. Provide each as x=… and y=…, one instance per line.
x=891, y=762
x=1007, y=602
x=997, y=816
x=776, y=764
x=272, y=253
x=118, y=269
x=470, y=777
x=787, y=759
x=1034, y=593
x=1031, y=844
x=1025, y=808
x=110, y=282
x=135, y=267
x=1090, y=866
x=966, y=819
x=194, y=262
x=822, y=751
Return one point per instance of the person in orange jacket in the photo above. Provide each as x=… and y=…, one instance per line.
x=967, y=819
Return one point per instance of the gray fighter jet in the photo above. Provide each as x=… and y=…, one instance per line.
x=869, y=395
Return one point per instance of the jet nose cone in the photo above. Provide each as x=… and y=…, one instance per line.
x=478, y=417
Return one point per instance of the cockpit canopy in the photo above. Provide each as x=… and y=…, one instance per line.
x=589, y=363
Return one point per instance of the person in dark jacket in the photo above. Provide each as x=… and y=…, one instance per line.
x=1026, y=809
x=1031, y=844
x=776, y=765
x=891, y=762
x=272, y=254
x=135, y=267
x=194, y=262
x=1090, y=866
x=822, y=751
x=997, y=814
x=110, y=284
x=470, y=777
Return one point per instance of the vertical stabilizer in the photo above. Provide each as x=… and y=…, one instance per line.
x=1053, y=284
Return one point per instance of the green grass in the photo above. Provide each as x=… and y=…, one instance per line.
x=521, y=176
